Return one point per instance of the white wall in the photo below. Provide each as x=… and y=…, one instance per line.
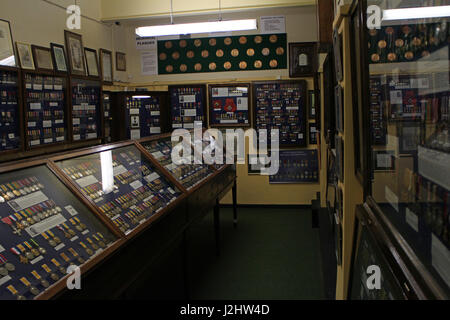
x=40, y=23
x=301, y=26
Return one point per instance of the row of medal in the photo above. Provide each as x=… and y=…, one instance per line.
x=81, y=170
x=46, y=115
x=8, y=96
x=19, y=188
x=307, y=175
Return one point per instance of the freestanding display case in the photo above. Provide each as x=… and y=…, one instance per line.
x=45, y=228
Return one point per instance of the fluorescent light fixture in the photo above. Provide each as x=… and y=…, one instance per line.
x=10, y=61
x=141, y=97
x=200, y=27
x=416, y=13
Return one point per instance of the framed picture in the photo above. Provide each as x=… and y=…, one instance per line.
x=59, y=57
x=338, y=104
x=106, y=66
x=121, y=61
x=91, y=62
x=42, y=58
x=409, y=136
x=7, y=56
x=75, y=53
x=337, y=48
x=312, y=105
x=383, y=160
x=302, y=59
x=25, y=56
x=313, y=133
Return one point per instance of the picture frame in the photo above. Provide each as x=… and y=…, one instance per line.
x=121, y=61
x=7, y=53
x=409, y=137
x=337, y=49
x=106, y=66
x=302, y=59
x=91, y=62
x=42, y=58
x=75, y=53
x=383, y=160
x=25, y=56
x=313, y=132
x=59, y=57
x=312, y=110
x=338, y=104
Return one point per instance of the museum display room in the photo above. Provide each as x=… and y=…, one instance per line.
x=224, y=150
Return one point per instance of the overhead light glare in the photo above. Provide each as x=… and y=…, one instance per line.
x=416, y=13
x=141, y=97
x=199, y=27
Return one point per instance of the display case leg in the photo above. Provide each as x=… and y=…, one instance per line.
x=217, y=226
x=234, y=192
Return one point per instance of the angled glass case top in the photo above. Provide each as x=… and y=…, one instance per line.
x=189, y=175
x=9, y=111
x=44, y=229
x=122, y=183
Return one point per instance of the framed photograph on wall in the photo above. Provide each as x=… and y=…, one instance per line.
x=59, y=57
x=42, y=58
x=383, y=160
x=25, y=56
x=409, y=137
x=7, y=56
x=302, y=59
x=75, y=53
x=121, y=61
x=91, y=62
x=106, y=65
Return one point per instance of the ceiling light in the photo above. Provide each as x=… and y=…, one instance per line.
x=200, y=27
x=416, y=13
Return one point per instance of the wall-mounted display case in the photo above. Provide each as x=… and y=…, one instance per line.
x=297, y=166
x=282, y=105
x=107, y=117
x=189, y=175
x=44, y=230
x=10, y=115
x=86, y=109
x=187, y=106
x=229, y=105
x=122, y=183
x=45, y=109
x=145, y=114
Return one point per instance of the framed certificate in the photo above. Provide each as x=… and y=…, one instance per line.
x=91, y=62
x=74, y=45
x=59, y=57
x=7, y=56
x=42, y=58
x=106, y=66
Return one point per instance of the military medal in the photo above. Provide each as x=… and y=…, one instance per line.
x=183, y=44
x=77, y=256
x=169, y=68
x=258, y=39
x=198, y=67
x=28, y=254
x=235, y=52
x=15, y=293
x=50, y=241
x=273, y=63
x=197, y=42
x=227, y=65
x=265, y=51
x=219, y=53
x=93, y=245
x=242, y=40
x=280, y=51
x=175, y=55
x=250, y=52
x=100, y=242
x=242, y=64
x=183, y=68
x=34, y=291
x=88, y=251
x=190, y=54
x=53, y=275
x=227, y=41
x=38, y=277
x=205, y=53
x=168, y=44
x=258, y=64
x=59, y=266
x=273, y=38
x=212, y=66
x=162, y=56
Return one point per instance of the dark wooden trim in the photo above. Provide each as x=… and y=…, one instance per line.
x=228, y=85
x=325, y=16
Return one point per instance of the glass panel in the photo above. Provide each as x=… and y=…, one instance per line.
x=45, y=107
x=143, y=116
x=107, y=116
x=85, y=109
x=189, y=175
x=187, y=106
x=123, y=184
x=44, y=229
x=409, y=105
x=9, y=108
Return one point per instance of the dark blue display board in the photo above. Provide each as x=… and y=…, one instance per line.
x=229, y=105
x=123, y=184
x=297, y=166
x=143, y=116
x=45, y=109
x=187, y=106
x=282, y=105
x=9, y=111
x=44, y=228
x=377, y=117
x=107, y=114
x=86, y=113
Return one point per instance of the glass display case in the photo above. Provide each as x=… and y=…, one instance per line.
x=9, y=112
x=86, y=113
x=189, y=175
x=188, y=106
x=45, y=109
x=122, y=183
x=408, y=74
x=44, y=230
x=229, y=105
x=107, y=116
x=143, y=115
x=282, y=105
